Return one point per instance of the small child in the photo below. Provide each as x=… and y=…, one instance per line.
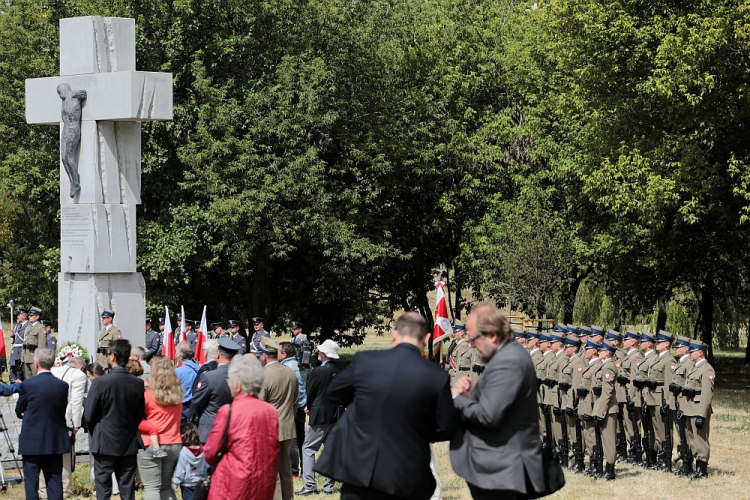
x=135, y=368
x=191, y=466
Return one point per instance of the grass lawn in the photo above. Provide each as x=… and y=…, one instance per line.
x=729, y=467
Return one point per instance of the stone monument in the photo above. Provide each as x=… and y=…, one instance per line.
x=99, y=102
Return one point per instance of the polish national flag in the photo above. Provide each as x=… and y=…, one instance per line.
x=199, y=354
x=167, y=346
x=183, y=335
x=442, y=323
x=2, y=340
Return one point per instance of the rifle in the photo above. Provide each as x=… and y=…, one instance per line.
x=548, y=426
x=666, y=415
x=635, y=450
x=684, y=450
x=578, y=448
x=565, y=446
x=599, y=451
x=646, y=427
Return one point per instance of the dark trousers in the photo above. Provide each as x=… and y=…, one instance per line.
x=296, y=451
x=349, y=492
x=185, y=411
x=124, y=469
x=478, y=493
x=16, y=371
x=49, y=465
x=187, y=492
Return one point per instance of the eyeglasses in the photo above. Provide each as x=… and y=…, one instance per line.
x=472, y=339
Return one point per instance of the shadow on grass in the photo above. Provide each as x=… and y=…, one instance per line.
x=628, y=473
x=732, y=381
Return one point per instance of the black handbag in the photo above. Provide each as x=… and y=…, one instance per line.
x=201, y=489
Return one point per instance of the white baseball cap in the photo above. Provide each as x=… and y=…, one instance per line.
x=330, y=349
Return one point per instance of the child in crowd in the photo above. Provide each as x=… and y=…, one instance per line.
x=136, y=369
x=191, y=467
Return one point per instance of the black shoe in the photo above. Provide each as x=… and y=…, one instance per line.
x=686, y=470
x=701, y=470
x=609, y=473
x=328, y=492
x=306, y=492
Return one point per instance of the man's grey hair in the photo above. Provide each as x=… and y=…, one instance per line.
x=212, y=349
x=185, y=351
x=247, y=371
x=45, y=357
x=137, y=351
x=77, y=361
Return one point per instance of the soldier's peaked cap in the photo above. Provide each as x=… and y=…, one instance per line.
x=630, y=334
x=663, y=336
x=571, y=340
x=646, y=337
x=269, y=346
x=520, y=334
x=608, y=345
x=257, y=320
x=592, y=344
x=697, y=345
x=597, y=330
x=681, y=341
x=34, y=311
x=229, y=346
x=556, y=337
x=613, y=335
x=296, y=324
x=217, y=324
x=233, y=322
x=22, y=310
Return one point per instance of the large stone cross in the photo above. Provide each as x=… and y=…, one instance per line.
x=98, y=228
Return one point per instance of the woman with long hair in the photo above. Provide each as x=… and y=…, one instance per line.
x=163, y=412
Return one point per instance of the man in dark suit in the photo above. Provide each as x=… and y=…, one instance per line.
x=397, y=403
x=323, y=414
x=42, y=401
x=212, y=391
x=497, y=450
x=114, y=408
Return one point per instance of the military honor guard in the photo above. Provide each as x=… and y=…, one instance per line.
x=259, y=333
x=17, y=339
x=605, y=408
x=552, y=400
x=659, y=378
x=107, y=335
x=191, y=336
x=625, y=377
x=585, y=394
x=34, y=338
x=460, y=356
x=50, y=341
x=237, y=337
x=521, y=337
x=699, y=394
x=153, y=342
x=298, y=337
x=684, y=364
x=640, y=381
x=570, y=378
x=218, y=331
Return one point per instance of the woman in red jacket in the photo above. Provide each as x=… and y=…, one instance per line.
x=250, y=463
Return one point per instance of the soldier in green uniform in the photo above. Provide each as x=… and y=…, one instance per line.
x=622, y=443
x=586, y=398
x=676, y=399
x=532, y=343
x=460, y=357
x=551, y=378
x=108, y=333
x=625, y=377
x=605, y=406
x=570, y=378
x=641, y=377
x=34, y=338
x=699, y=394
x=541, y=374
x=659, y=378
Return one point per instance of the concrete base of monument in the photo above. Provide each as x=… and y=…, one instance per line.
x=84, y=296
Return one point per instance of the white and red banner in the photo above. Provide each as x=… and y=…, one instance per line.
x=442, y=323
x=167, y=346
x=183, y=335
x=200, y=355
x=2, y=340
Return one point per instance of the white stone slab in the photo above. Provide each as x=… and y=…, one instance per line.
x=96, y=45
x=120, y=96
x=97, y=239
x=83, y=297
x=109, y=164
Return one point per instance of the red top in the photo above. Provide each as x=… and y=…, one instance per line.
x=161, y=420
x=248, y=470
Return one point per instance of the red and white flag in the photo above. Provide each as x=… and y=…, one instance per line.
x=167, y=346
x=183, y=335
x=199, y=354
x=442, y=323
x=2, y=340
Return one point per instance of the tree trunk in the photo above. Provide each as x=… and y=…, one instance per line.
x=661, y=314
x=707, y=314
x=569, y=300
x=424, y=309
x=448, y=293
x=458, y=299
x=747, y=350
x=618, y=320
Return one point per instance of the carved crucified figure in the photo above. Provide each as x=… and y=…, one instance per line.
x=71, y=133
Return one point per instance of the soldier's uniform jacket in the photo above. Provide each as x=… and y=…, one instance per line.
x=571, y=373
x=641, y=373
x=553, y=374
x=191, y=337
x=588, y=380
x=477, y=366
x=537, y=357
x=34, y=335
x=682, y=367
x=701, y=379
x=255, y=342
x=18, y=338
x=460, y=360
x=223, y=335
x=628, y=369
x=660, y=371
x=240, y=340
x=51, y=342
x=153, y=345
x=106, y=336
x=541, y=372
x=606, y=378
x=619, y=358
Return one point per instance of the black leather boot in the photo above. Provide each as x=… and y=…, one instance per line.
x=701, y=470
x=609, y=473
x=591, y=471
x=686, y=469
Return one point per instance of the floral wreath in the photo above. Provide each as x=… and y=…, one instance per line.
x=69, y=350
